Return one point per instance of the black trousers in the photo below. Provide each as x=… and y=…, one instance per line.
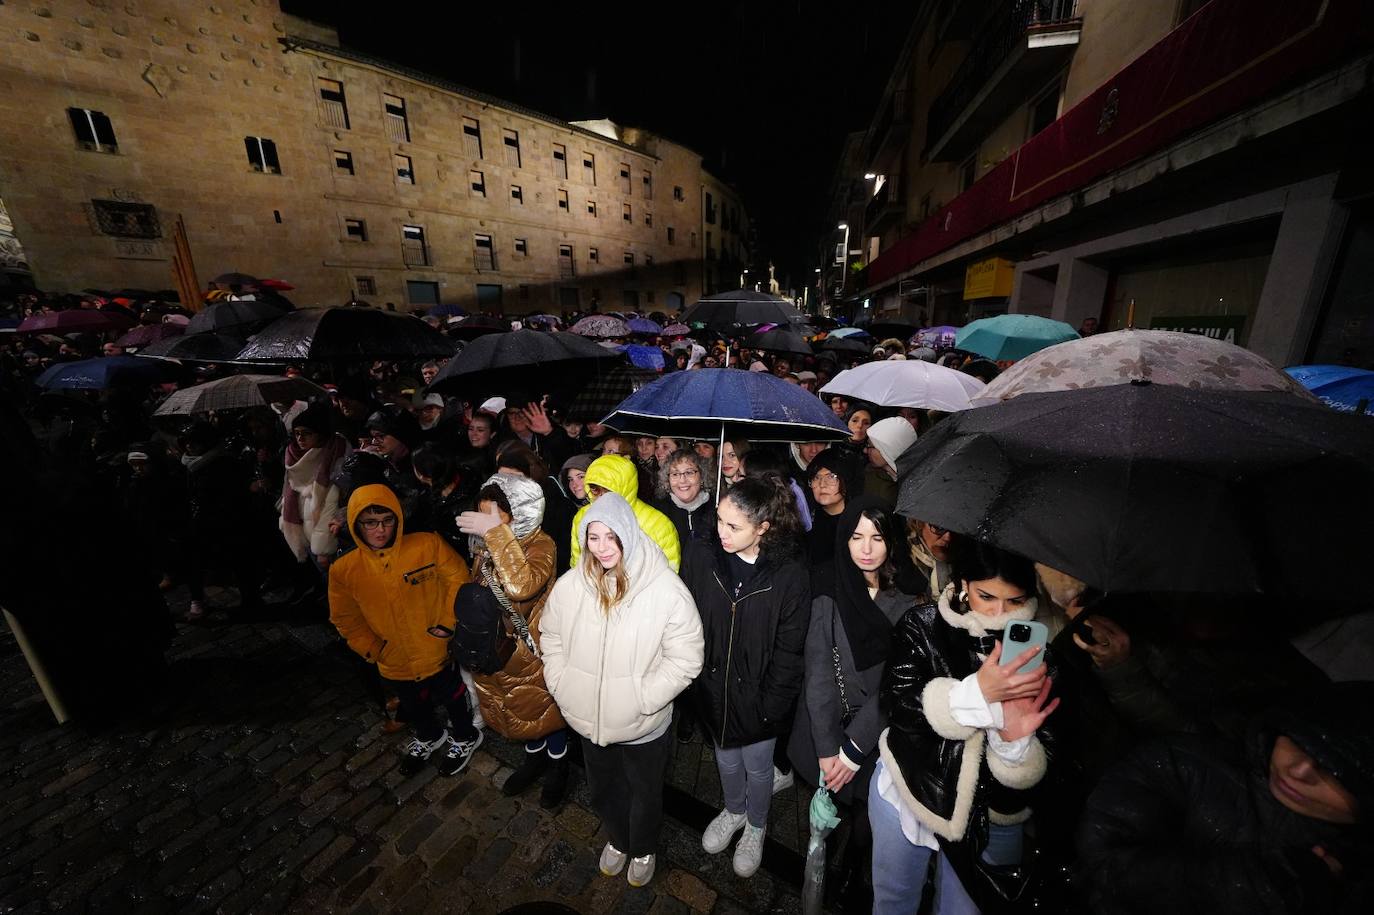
x=626, y=786
x=420, y=701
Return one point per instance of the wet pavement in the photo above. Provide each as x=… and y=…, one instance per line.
x=262, y=781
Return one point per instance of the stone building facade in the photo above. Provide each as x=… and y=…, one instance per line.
x=289, y=156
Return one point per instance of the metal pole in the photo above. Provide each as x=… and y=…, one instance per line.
x=720, y=449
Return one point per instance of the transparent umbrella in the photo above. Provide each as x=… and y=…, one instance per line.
x=823, y=821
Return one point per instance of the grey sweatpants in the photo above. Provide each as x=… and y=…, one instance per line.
x=746, y=779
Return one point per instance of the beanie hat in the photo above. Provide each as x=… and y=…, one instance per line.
x=400, y=424
x=891, y=437
x=315, y=418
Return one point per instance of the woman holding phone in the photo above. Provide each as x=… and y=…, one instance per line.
x=964, y=739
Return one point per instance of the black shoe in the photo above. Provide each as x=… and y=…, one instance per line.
x=530, y=769
x=418, y=753
x=459, y=755
x=555, y=784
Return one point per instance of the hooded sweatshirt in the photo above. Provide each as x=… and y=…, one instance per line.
x=615, y=673
x=618, y=474
x=383, y=601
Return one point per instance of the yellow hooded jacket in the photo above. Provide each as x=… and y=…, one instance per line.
x=618, y=474
x=383, y=602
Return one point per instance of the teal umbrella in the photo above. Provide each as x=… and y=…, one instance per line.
x=1007, y=338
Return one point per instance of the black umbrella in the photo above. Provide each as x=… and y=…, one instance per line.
x=206, y=347
x=235, y=279
x=345, y=333
x=779, y=340
x=845, y=346
x=604, y=393
x=529, y=360
x=1144, y=487
x=235, y=313
x=881, y=330
x=474, y=326
x=743, y=306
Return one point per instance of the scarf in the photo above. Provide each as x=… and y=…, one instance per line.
x=702, y=498
x=868, y=629
x=325, y=457
x=924, y=559
x=976, y=624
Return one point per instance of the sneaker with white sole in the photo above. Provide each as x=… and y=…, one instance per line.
x=418, y=753
x=749, y=851
x=641, y=871
x=459, y=755
x=781, y=781
x=194, y=612
x=612, y=860
x=722, y=829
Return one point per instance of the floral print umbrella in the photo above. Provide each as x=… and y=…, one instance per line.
x=1125, y=356
x=600, y=326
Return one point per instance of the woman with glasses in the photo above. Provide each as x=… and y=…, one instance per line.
x=686, y=482
x=931, y=547
x=832, y=478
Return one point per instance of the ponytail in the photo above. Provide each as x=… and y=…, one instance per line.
x=768, y=497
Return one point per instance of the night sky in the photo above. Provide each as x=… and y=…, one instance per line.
x=765, y=91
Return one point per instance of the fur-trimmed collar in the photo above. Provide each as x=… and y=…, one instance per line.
x=978, y=624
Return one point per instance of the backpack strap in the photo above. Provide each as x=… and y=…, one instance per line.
x=522, y=629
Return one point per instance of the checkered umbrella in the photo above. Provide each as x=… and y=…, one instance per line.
x=238, y=392
x=604, y=394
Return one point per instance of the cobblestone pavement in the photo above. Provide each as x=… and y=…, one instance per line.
x=263, y=782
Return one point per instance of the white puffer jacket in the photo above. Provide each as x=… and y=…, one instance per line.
x=614, y=676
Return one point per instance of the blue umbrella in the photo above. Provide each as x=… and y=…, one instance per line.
x=105, y=372
x=1341, y=387
x=645, y=357
x=447, y=310
x=643, y=326
x=1011, y=337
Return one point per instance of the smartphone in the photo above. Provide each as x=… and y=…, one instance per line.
x=440, y=632
x=1021, y=637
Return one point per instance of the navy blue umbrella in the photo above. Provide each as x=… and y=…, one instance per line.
x=105, y=372
x=709, y=403
x=447, y=310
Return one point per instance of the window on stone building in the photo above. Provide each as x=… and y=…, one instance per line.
x=483, y=254
x=560, y=160
x=625, y=213
x=677, y=193
x=562, y=200
x=472, y=138
x=566, y=268
x=1044, y=110
x=925, y=207
x=624, y=178
x=405, y=169
x=630, y=258
x=365, y=285
x=589, y=168
x=648, y=186
x=355, y=230
x=710, y=210
x=591, y=208
x=522, y=247
x=649, y=220
x=511, y=140
x=93, y=130
x=672, y=235
x=126, y=220
x=343, y=162
x=262, y=155
x=335, y=107
x=648, y=260
x=693, y=243
x=517, y=195
x=968, y=173
x=397, y=124
x=414, y=250
x=478, y=182
x=593, y=255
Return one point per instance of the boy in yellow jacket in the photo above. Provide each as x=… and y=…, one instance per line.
x=392, y=600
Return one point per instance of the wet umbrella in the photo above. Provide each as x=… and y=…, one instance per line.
x=676, y=329
x=1340, y=387
x=605, y=392
x=235, y=279
x=600, y=326
x=104, y=372
x=645, y=357
x=1010, y=337
x=907, y=383
x=523, y=359
x=475, y=326
x=939, y=337
x=145, y=334
x=345, y=333
x=742, y=306
x=844, y=346
x=71, y=320
x=823, y=819
x=1123, y=356
x=885, y=329
x=542, y=319
x=842, y=333
x=235, y=313
x=238, y=392
x=1148, y=487
x=779, y=340
x=447, y=310
x=207, y=347
x=644, y=326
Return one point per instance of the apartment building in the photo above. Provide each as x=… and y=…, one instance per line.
x=1184, y=164
x=292, y=157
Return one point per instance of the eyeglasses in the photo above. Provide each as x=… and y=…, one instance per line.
x=684, y=474
x=826, y=480
x=937, y=532
x=372, y=524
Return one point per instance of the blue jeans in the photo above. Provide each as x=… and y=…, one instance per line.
x=900, y=868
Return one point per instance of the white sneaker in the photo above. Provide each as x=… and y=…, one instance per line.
x=641, y=871
x=749, y=851
x=722, y=829
x=194, y=612
x=418, y=753
x=612, y=860
x=781, y=782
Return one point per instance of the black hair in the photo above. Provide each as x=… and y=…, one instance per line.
x=974, y=560
x=759, y=461
x=768, y=497
x=433, y=462
x=493, y=493
x=897, y=570
x=858, y=405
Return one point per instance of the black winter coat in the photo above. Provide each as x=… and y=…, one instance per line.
x=755, y=645
x=697, y=525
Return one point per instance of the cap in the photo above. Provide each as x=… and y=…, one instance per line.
x=432, y=400
x=806, y=376
x=493, y=405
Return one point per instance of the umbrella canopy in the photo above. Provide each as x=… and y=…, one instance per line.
x=707, y=403
x=104, y=372
x=604, y=393
x=841, y=333
x=600, y=326
x=742, y=306
x=234, y=313
x=207, y=347
x=884, y=329
x=150, y=333
x=1157, y=356
x=845, y=345
x=1010, y=337
x=235, y=279
x=939, y=337
x=275, y=284
x=542, y=319
x=238, y=392
x=446, y=310
x=72, y=320
x=676, y=329
x=643, y=326
x=779, y=340
x=1340, y=387
x=645, y=357
x=1147, y=487
x=345, y=333
x=907, y=383
x=522, y=360
x=474, y=326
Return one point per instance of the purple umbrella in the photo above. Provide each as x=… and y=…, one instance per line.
x=643, y=326
x=150, y=333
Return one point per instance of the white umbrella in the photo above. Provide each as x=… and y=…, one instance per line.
x=907, y=383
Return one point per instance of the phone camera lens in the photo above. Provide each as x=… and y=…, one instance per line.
x=1020, y=633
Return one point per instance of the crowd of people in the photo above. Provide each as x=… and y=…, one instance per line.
x=513, y=570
